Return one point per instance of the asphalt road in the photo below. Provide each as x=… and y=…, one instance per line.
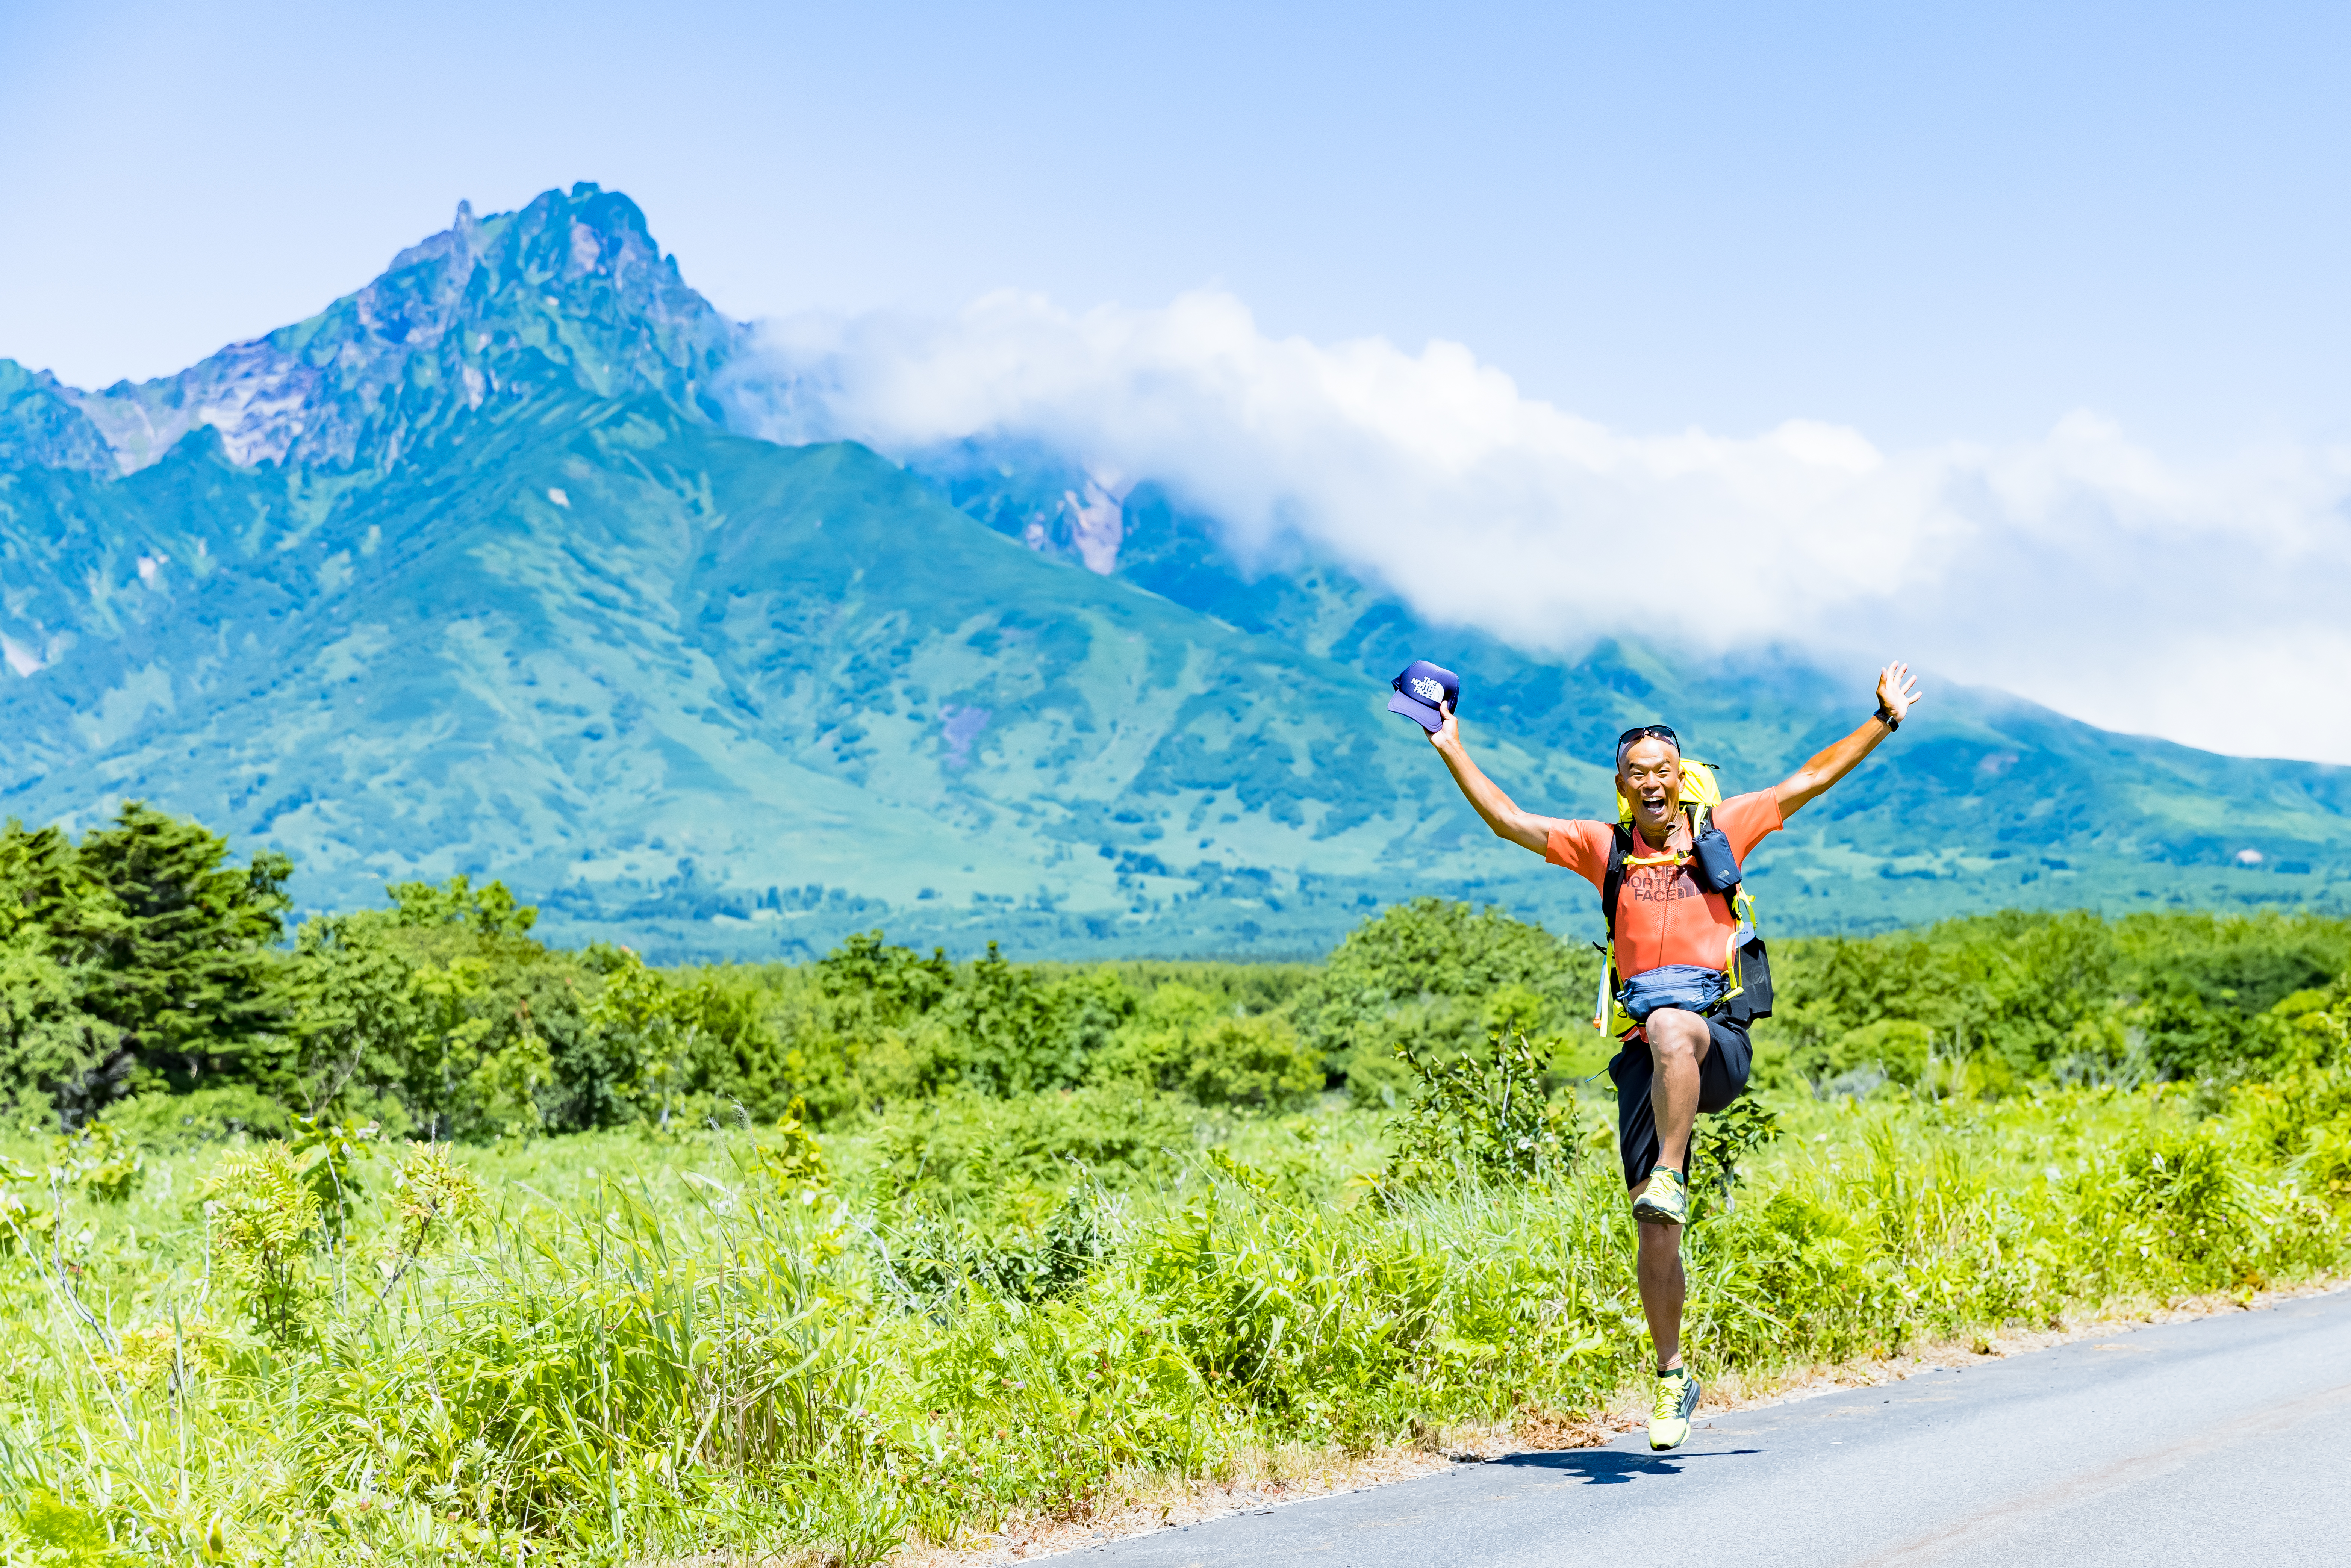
x=2222, y=1440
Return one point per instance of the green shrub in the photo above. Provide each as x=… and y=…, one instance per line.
x=1443, y=976
x=58, y=1532
x=432, y=1197
x=99, y=1160
x=1010, y=1030
x=1026, y=1243
x=1726, y=1142
x=1250, y=1063
x=1481, y=1116
x=1891, y=1050
x=263, y=1220
x=168, y=1124
x=2186, y=1194
x=2325, y=1166
x=1186, y=1041
x=963, y=1147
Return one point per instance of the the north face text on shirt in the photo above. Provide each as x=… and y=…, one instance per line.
x=1663, y=915
x=1658, y=884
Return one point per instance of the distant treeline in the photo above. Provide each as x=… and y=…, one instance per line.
x=2016, y=997
x=145, y=978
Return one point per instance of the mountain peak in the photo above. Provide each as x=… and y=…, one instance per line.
x=41, y=428
x=462, y=239
x=570, y=288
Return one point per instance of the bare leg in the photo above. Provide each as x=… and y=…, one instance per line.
x=1660, y=1270
x=1678, y=1043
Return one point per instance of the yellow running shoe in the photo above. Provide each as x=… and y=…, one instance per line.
x=1666, y=1200
x=1678, y=1394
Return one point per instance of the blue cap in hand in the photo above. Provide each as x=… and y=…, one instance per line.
x=1418, y=691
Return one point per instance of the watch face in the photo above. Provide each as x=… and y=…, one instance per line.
x=1427, y=690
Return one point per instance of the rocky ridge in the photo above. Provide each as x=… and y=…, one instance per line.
x=571, y=284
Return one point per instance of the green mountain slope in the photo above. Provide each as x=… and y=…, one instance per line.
x=466, y=574
x=1979, y=776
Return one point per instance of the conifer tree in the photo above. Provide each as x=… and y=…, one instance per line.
x=51, y=1050
x=176, y=947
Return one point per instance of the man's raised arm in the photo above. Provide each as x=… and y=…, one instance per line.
x=1523, y=828
x=1897, y=695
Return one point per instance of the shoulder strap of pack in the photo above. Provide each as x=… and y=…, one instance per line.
x=1612, y=884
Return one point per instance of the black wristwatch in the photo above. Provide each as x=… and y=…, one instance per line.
x=1885, y=717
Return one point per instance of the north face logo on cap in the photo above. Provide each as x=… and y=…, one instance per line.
x=1427, y=690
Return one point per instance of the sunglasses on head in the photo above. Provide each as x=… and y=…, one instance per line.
x=1648, y=732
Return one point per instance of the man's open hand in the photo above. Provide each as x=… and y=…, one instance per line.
x=1897, y=692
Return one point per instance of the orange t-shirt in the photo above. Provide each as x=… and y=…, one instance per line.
x=1663, y=915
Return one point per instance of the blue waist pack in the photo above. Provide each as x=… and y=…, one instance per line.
x=1686, y=986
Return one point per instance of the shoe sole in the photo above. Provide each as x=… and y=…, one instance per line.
x=1643, y=1210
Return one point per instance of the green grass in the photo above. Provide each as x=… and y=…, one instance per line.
x=633, y=1345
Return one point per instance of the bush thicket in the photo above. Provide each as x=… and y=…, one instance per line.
x=147, y=980
x=2014, y=997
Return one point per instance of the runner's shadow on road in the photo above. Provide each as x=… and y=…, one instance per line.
x=1613, y=1467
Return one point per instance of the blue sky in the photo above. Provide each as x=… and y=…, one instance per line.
x=1925, y=222
x=2054, y=296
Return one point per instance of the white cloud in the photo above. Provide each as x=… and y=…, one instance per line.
x=2081, y=569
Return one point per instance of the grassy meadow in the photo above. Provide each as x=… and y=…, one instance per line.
x=406, y=1239
x=617, y=1346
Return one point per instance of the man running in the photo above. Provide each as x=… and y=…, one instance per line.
x=1680, y=1060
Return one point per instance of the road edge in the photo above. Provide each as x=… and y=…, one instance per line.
x=1265, y=1481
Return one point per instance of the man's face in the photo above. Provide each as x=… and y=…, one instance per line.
x=1650, y=776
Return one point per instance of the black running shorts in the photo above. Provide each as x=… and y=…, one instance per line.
x=1721, y=1077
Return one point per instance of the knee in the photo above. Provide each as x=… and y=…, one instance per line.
x=1675, y=1035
